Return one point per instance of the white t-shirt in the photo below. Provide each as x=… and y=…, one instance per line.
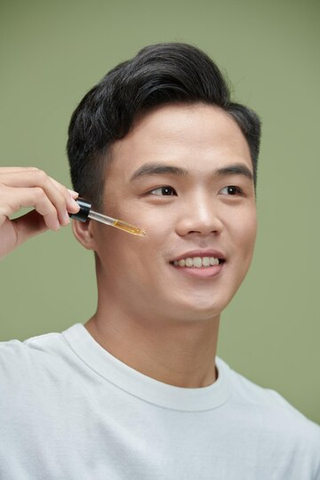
x=70, y=410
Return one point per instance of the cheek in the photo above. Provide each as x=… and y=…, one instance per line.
x=156, y=220
x=112, y=243
x=116, y=248
x=247, y=232
x=243, y=230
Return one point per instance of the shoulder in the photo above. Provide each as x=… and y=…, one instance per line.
x=38, y=355
x=277, y=418
x=13, y=349
x=267, y=399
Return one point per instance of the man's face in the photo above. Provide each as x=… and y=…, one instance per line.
x=184, y=174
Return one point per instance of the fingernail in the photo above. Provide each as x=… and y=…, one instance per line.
x=75, y=205
x=73, y=194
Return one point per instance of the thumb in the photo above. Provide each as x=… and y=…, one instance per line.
x=28, y=226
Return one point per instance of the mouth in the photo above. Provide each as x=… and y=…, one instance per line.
x=199, y=260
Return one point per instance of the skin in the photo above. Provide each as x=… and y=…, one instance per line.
x=30, y=187
x=160, y=319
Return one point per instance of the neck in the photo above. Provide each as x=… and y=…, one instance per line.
x=180, y=353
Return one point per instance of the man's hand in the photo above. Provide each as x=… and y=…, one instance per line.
x=30, y=187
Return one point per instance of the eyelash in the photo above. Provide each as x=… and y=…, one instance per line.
x=236, y=191
x=163, y=188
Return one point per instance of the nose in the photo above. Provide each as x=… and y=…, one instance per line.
x=200, y=216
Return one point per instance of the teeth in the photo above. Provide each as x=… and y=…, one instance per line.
x=196, y=262
x=206, y=261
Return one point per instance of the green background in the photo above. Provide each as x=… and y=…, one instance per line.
x=53, y=52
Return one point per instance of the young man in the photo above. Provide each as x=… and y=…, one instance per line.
x=138, y=391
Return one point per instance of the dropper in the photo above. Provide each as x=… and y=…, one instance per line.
x=85, y=212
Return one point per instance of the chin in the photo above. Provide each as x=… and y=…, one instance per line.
x=201, y=309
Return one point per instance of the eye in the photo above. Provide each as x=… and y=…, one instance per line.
x=164, y=191
x=231, y=190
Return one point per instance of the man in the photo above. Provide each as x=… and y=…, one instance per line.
x=138, y=391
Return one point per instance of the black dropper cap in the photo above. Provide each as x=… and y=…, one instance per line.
x=84, y=211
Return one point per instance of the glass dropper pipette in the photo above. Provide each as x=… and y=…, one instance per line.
x=85, y=212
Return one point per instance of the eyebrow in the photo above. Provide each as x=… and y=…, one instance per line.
x=158, y=169
x=235, y=169
x=149, y=169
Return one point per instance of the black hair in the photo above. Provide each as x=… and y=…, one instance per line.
x=160, y=74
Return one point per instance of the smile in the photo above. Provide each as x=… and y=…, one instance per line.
x=196, y=262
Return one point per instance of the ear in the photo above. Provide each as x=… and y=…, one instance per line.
x=83, y=233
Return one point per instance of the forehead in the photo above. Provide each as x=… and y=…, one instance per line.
x=196, y=137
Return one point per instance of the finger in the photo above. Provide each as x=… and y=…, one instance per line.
x=70, y=195
x=28, y=226
x=58, y=195
x=6, y=170
x=15, y=199
x=73, y=193
x=16, y=169
x=10, y=178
